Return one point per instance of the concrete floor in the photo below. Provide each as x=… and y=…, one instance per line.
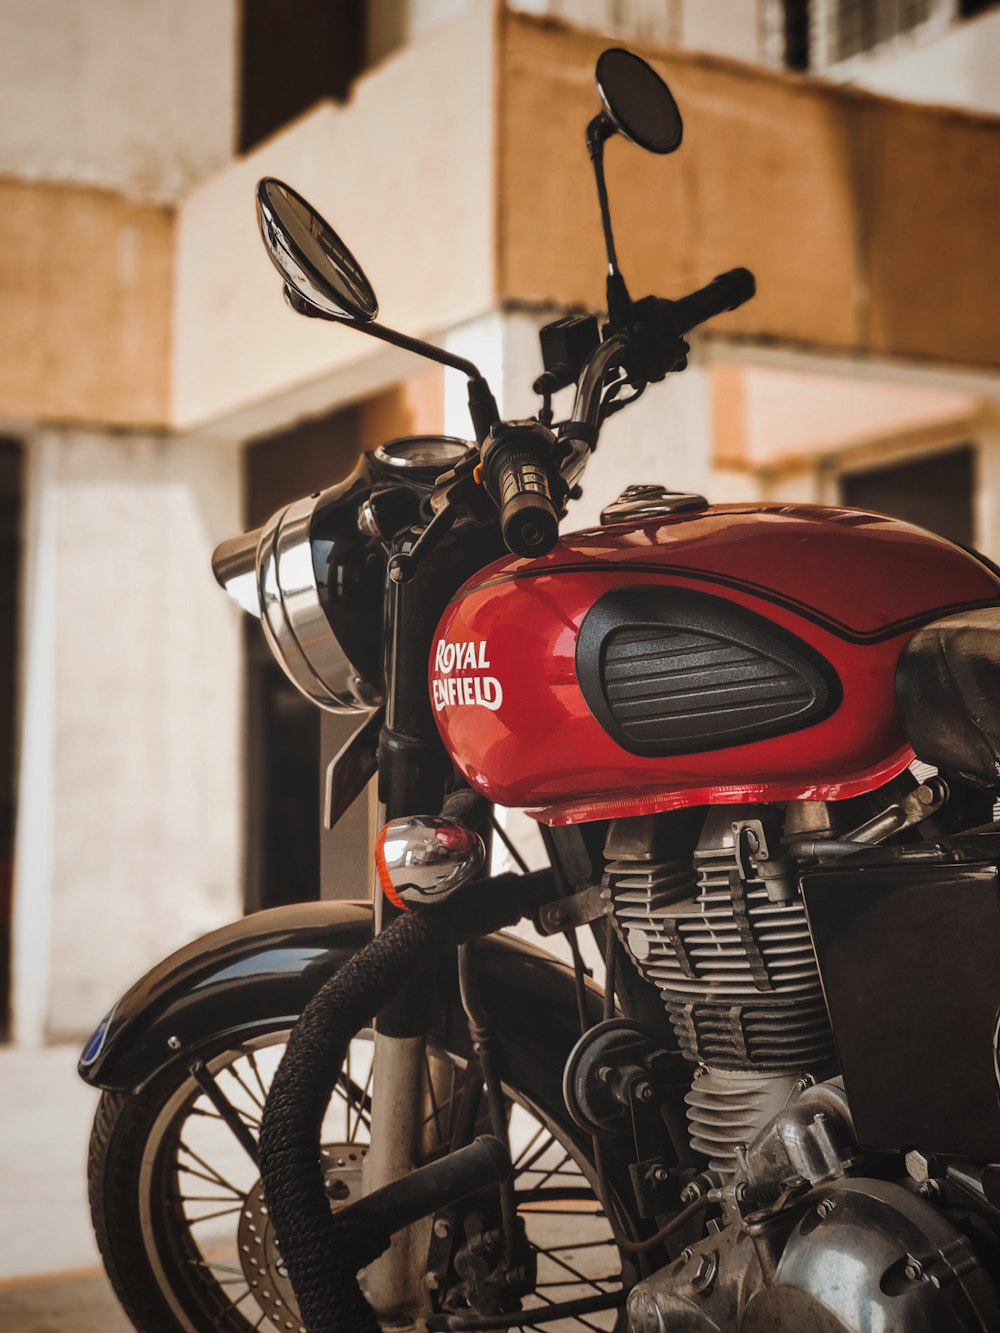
x=50, y=1275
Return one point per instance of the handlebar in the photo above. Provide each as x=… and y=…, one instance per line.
x=725, y=292
x=665, y=322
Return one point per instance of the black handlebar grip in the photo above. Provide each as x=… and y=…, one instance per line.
x=725, y=292
x=528, y=518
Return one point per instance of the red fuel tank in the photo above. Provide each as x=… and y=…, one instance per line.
x=735, y=654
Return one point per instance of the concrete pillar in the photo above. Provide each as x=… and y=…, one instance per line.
x=128, y=836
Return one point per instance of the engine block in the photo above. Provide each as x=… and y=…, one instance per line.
x=737, y=970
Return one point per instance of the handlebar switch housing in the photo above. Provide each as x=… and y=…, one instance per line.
x=566, y=344
x=519, y=473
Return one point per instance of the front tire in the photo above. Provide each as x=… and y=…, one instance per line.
x=171, y=1188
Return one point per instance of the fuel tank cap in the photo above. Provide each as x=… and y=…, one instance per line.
x=636, y=502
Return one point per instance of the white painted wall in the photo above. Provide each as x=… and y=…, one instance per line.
x=404, y=172
x=130, y=801
x=722, y=27
x=131, y=95
x=960, y=67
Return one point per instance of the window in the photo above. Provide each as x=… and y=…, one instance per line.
x=795, y=34
x=934, y=492
x=294, y=53
x=860, y=25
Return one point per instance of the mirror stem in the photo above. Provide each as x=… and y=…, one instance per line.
x=619, y=301
x=482, y=404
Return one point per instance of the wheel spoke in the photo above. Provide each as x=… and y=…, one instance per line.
x=213, y=1174
x=538, y=1154
x=529, y=1145
x=234, y=1073
x=252, y=1062
x=208, y=1217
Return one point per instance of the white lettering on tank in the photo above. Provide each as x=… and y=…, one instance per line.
x=451, y=691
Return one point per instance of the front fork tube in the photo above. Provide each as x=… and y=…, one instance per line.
x=394, y=1283
x=414, y=770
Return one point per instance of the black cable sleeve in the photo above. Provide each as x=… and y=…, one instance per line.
x=322, y=1256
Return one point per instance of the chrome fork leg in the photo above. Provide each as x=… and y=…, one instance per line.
x=394, y=1284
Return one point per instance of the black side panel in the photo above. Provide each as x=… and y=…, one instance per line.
x=264, y=969
x=908, y=958
x=669, y=671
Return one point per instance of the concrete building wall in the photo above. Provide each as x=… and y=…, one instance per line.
x=126, y=96
x=129, y=819
x=404, y=172
x=85, y=281
x=821, y=191
x=955, y=65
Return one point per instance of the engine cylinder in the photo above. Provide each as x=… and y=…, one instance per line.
x=736, y=968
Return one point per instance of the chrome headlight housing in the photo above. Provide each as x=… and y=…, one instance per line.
x=315, y=581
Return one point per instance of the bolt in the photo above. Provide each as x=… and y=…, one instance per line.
x=685, y=1255
x=606, y=1074
x=914, y=1269
x=644, y=1091
x=690, y=1193
x=442, y=1228
x=174, y=1043
x=557, y=915
x=825, y=1207
x=704, y=1276
x=920, y=1165
x=929, y=1189
x=660, y=1174
x=806, y=1081
x=431, y=1281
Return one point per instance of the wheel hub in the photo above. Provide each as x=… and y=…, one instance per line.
x=259, y=1253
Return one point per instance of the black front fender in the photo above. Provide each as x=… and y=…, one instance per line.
x=259, y=973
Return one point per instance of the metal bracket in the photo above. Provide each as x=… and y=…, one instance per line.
x=654, y=1188
x=577, y=910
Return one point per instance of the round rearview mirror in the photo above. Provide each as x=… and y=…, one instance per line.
x=637, y=101
x=310, y=256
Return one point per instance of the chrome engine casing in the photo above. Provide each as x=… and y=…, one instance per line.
x=806, y=1245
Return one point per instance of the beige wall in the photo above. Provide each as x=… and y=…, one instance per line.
x=869, y=224
x=85, y=282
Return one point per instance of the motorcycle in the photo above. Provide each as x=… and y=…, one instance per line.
x=782, y=1111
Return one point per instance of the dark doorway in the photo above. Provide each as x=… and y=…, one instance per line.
x=935, y=492
x=294, y=53
x=11, y=490
x=283, y=727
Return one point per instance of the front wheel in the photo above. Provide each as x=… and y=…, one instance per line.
x=179, y=1212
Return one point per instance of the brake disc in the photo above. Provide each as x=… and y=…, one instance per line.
x=260, y=1255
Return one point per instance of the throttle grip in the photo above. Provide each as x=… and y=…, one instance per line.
x=516, y=461
x=725, y=292
x=528, y=518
